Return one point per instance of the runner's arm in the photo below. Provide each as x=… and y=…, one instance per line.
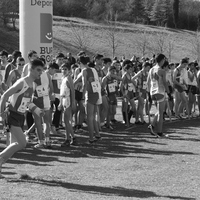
x=10, y=78
x=84, y=81
x=165, y=82
x=12, y=90
x=174, y=78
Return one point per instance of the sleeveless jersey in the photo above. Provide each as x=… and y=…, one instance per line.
x=157, y=86
x=79, y=86
x=17, y=76
x=56, y=81
x=178, y=76
x=142, y=81
x=128, y=84
x=20, y=100
x=111, y=86
x=194, y=82
x=93, y=93
x=41, y=94
x=65, y=93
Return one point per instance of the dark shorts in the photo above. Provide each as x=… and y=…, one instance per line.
x=112, y=100
x=78, y=95
x=170, y=89
x=192, y=89
x=133, y=95
x=15, y=119
x=144, y=93
x=178, y=88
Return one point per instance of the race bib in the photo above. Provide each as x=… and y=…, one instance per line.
x=24, y=104
x=131, y=87
x=111, y=87
x=116, y=83
x=95, y=86
x=154, y=89
x=42, y=91
x=144, y=85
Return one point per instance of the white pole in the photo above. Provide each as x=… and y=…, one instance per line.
x=36, y=22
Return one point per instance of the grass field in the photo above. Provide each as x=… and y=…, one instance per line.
x=96, y=37
x=128, y=163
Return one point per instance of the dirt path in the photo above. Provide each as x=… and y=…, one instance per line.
x=124, y=165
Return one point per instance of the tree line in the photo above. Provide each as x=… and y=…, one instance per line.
x=184, y=14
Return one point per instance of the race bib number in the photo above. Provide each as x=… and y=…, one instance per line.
x=42, y=91
x=144, y=85
x=111, y=87
x=131, y=87
x=24, y=104
x=116, y=83
x=155, y=85
x=96, y=86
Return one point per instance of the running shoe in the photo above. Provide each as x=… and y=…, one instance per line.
x=39, y=146
x=151, y=128
x=66, y=143
x=138, y=123
x=47, y=145
x=97, y=138
x=109, y=127
x=163, y=135
x=73, y=141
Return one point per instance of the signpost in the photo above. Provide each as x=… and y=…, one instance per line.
x=36, y=22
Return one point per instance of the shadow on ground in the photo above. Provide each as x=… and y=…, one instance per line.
x=118, y=191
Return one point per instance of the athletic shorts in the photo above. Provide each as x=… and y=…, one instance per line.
x=143, y=93
x=158, y=97
x=78, y=95
x=170, y=89
x=192, y=89
x=15, y=119
x=133, y=95
x=178, y=88
x=112, y=100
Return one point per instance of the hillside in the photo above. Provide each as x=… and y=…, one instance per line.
x=95, y=37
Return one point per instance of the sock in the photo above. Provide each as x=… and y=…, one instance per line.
x=47, y=139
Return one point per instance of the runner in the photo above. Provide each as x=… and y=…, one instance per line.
x=180, y=86
x=108, y=83
x=104, y=107
x=11, y=65
x=128, y=90
x=56, y=80
x=141, y=78
x=32, y=55
x=78, y=85
x=67, y=104
x=157, y=86
x=192, y=87
x=20, y=94
x=92, y=93
x=4, y=62
x=41, y=99
x=15, y=74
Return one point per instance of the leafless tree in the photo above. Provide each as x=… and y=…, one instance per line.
x=159, y=41
x=80, y=36
x=196, y=45
x=170, y=45
x=142, y=43
x=111, y=33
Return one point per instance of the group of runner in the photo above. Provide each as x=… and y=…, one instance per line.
x=85, y=90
